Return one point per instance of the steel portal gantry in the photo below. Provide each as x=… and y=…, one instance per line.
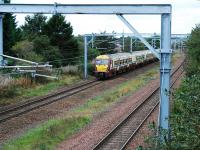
x=115, y=9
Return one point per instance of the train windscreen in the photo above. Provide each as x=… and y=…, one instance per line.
x=102, y=62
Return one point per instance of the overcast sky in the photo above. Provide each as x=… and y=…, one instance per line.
x=185, y=14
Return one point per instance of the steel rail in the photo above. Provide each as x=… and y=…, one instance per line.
x=134, y=133
x=45, y=100
x=126, y=119
x=13, y=109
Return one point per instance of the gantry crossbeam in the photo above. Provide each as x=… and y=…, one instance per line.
x=86, y=8
x=114, y=9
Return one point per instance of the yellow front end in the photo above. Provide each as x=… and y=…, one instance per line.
x=102, y=63
x=101, y=68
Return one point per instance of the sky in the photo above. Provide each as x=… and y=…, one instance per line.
x=185, y=15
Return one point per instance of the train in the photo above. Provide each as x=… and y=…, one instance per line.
x=110, y=65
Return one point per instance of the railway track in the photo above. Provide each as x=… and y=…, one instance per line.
x=122, y=134
x=9, y=112
x=25, y=107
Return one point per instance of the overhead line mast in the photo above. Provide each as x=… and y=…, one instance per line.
x=114, y=9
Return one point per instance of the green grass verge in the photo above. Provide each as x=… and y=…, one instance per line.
x=46, y=88
x=100, y=103
x=48, y=135
x=39, y=89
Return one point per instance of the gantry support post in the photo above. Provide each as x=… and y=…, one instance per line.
x=123, y=41
x=92, y=41
x=131, y=45
x=1, y=36
x=1, y=40
x=165, y=69
x=85, y=57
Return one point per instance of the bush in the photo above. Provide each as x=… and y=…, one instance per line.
x=193, y=52
x=24, y=50
x=91, y=69
x=184, y=119
x=50, y=53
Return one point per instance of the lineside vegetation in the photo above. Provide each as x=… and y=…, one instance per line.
x=52, y=132
x=184, y=117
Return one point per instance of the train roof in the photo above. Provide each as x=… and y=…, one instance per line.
x=123, y=55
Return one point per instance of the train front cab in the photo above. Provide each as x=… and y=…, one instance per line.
x=102, y=65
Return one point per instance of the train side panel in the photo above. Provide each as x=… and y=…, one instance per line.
x=112, y=64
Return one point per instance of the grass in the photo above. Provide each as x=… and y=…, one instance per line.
x=46, y=88
x=100, y=103
x=23, y=93
x=176, y=56
x=48, y=135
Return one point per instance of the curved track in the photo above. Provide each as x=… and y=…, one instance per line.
x=121, y=135
x=22, y=108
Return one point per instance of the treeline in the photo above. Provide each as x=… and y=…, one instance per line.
x=41, y=39
x=184, y=117
x=44, y=39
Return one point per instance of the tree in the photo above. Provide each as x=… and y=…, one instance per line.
x=49, y=53
x=193, y=52
x=33, y=26
x=10, y=32
x=60, y=34
x=105, y=44
x=24, y=50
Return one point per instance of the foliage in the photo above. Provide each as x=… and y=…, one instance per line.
x=93, y=53
x=24, y=50
x=60, y=34
x=193, y=52
x=105, y=44
x=43, y=47
x=184, y=119
x=11, y=33
x=33, y=26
